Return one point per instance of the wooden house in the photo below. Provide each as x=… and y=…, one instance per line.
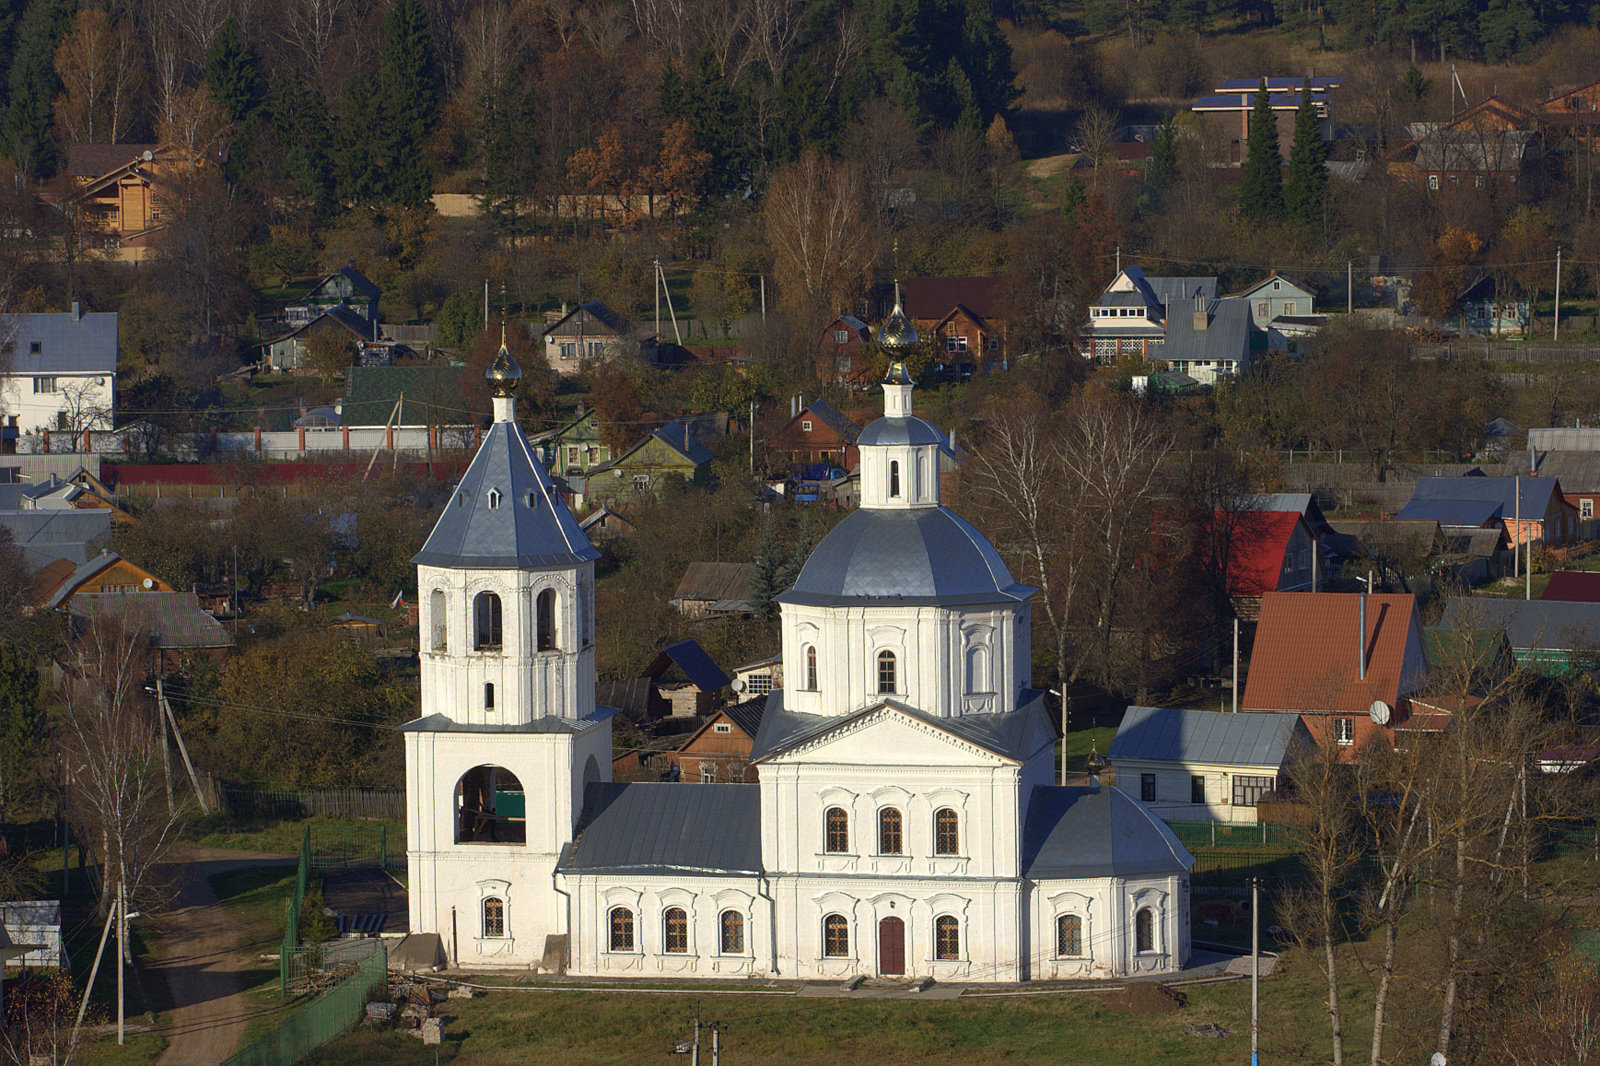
x=1228, y=109
x=1575, y=112
x=1491, y=145
x=573, y=449
x=1553, y=637
x=817, y=439
x=687, y=678
x=107, y=572
x=964, y=317
x=589, y=332
x=1278, y=297
x=178, y=633
x=1527, y=508
x=117, y=188
x=719, y=751
x=842, y=353
x=758, y=678
x=674, y=450
x=346, y=287
x=711, y=590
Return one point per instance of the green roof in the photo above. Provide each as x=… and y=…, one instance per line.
x=431, y=395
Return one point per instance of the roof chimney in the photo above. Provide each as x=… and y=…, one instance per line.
x=1361, y=637
x=77, y=311
x=1201, y=319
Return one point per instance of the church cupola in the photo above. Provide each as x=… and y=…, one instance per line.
x=504, y=375
x=899, y=452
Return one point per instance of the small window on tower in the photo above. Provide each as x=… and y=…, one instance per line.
x=488, y=696
x=494, y=499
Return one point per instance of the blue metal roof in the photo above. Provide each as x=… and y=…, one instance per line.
x=67, y=343
x=656, y=827
x=1234, y=85
x=505, y=513
x=1167, y=734
x=1550, y=625
x=927, y=555
x=1451, y=512
x=1096, y=832
x=1538, y=493
x=697, y=665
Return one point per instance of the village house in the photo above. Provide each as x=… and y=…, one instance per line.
x=346, y=303
x=1190, y=765
x=1527, y=508
x=817, y=439
x=1575, y=112
x=841, y=355
x=1275, y=545
x=1569, y=455
x=107, y=572
x=1348, y=663
x=1177, y=321
x=117, y=190
x=1553, y=637
x=720, y=749
x=1483, y=310
x=710, y=590
x=964, y=317
x=677, y=449
x=1228, y=108
x=758, y=678
x=1276, y=297
x=178, y=633
x=58, y=370
x=572, y=450
x=587, y=333
x=1491, y=144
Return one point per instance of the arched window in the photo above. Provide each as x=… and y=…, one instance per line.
x=675, y=931
x=494, y=917
x=488, y=695
x=1069, y=936
x=978, y=668
x=946, y=937
x=490, y=807
x=811, y=668
x=437, y=619
x=894, y=479
x=1144, y=930
x=486, y=613
x=889, y=835
x=946, y=832
x=838, y=830
x=835, y=936
x=732, y=923
x=545, y=621
x=888, y=676
x=621, y=929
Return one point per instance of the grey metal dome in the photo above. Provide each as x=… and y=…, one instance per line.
x=926, y=555
x=911, y=430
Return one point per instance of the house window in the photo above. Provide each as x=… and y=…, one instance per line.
x=811, y=668
x=44, y=385
x=597, y=349
x=1344, y=730
x=488, y=696
x=955, y=344
x=887, y=679
x=1197, y=788
x=1247, y=791
x=835, y=936
x=494, y=917
x=806, y=426
x=946, y=937
x=621, y=929
x=1144, y=930
x=35, y=347
x=994, y=344
x=1433, y=182
x=722, y=727
x=641, y=483
x=545, y=621
x=1276, y=285
x=486, y=610
x=946, y=832
x=1069, y=936
x=569, y=350
x=1263, y=309
x=732, y=923
x=708, y=772
x=841, y=336
x=1147, y=787
x=436, y=617
x=1586, y=508
x=572, y=455
x=889, y=842
x=758, y=684
x=675, y=931
x=838, y=830
x=894, y=479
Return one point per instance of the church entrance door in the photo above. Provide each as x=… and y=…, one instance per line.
x=891, y=947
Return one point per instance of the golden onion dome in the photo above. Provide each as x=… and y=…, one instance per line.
x=897, y=334
x=503, y=375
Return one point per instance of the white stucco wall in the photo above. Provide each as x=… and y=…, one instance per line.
x=1173, y=781
x=87, y=399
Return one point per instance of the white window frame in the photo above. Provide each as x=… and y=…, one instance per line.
x=1343, y=731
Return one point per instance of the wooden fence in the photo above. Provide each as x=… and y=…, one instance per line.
x=379, y=804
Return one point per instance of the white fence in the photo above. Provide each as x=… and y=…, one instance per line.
x=68, y=451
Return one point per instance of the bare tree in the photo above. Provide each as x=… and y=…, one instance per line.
x=101, y=71
x=310, y=27
x=774, y=27
x=816, y=218
x=1095, y=128
x=83, y=406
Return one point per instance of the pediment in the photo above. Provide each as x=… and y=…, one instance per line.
x=886, y=734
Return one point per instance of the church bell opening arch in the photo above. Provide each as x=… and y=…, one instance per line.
x=491, y=807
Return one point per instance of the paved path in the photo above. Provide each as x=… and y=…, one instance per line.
x=209, y=1010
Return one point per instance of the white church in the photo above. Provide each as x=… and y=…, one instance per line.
x=905, y=824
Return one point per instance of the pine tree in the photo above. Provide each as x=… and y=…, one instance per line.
x=408, y=106
x=1261, y=194
x=766, y=580
x=234, y=74
x=1303, y=196
x=33, y=86
x=21, y=724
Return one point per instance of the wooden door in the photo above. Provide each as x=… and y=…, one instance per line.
x=891, y=947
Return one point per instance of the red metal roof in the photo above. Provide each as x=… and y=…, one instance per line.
x=1573, y=586
x=933, y=298
x=1306, y=655
x=1257, y=560
x=114, y=474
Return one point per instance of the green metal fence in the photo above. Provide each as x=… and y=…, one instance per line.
x=1233, y=835
x=291, y=926
x=325, y=1017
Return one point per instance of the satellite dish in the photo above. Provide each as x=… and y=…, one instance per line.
x=147, y=155
x=1379, y=712
x=149, y=583
x=738, y=684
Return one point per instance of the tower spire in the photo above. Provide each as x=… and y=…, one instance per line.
x=504, y=375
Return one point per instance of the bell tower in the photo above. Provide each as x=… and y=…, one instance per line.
x=509, y=734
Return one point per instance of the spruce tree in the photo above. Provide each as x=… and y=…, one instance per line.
x=1261, y=193
x=1308, y=166
x=408, y=106
x=234, y=74
x=33, y=85
x=21, y=725
x=766, y=579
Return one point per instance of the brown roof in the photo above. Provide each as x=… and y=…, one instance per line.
x=50, y=577
x=1573, y=586
x=715, y=581
x=93, y=160
x=1306, y=659
x=934, y=298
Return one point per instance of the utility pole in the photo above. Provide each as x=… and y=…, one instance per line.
x=716, y=1044
x=1235, y=666
x=1255, y=970
x=763, y=299
x=657, y=280
x=1516, y=556
x=1558, y=294
x=183, y=749
x=1349, y=286
x=122, y=947
x=752, y=436
x=1064, y=711
x=93, y=971
x=694, y=1050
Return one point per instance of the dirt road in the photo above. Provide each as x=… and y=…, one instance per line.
x=209, y=1011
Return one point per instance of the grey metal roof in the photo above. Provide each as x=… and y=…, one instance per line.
x=1578, y=471
x=479, y=531
x=656, y=827
x=1451, y=512
x=912, y=430
x=1481, y=151
x=1089, y=832
x=927, y=555
x=439, y=723
x=1014, y=735
x=1168, y=734
x=87, y=569
x=747, y=715
x=1548, y=624
x=172, y=619
x=45, y=536
x=68, y=344
x=1174, y=291
x=1565, y=438
x=1226, y=337
x=1538, y=493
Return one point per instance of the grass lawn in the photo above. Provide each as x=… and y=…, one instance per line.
x=354, y=836
x=1079, y=742
x=603, y=1028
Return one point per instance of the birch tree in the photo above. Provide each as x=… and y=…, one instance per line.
x=101, y=72
x=817, y=221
